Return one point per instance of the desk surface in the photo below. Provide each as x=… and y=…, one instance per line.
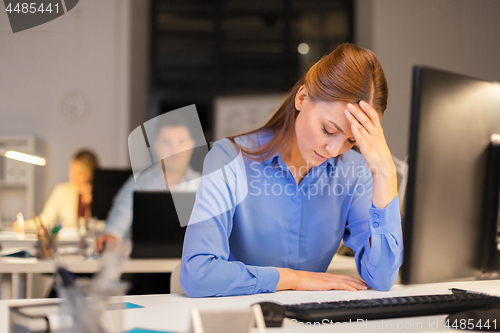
x=79, y=264
x=75, y=263
x=172, y=312
x=10, y=239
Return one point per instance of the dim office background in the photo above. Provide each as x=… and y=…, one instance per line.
x=96, y=62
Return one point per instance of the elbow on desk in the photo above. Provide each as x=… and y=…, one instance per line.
x=193, y=288
x=194, y=281
x=382, y=283
x=382, y=287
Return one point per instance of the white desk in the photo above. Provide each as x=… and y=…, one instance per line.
x=16, y=273
x=172, y=312
x=9, y=239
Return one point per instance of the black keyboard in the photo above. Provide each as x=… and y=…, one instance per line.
x=390, y=307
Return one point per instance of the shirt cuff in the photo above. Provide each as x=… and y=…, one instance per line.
x=112, y=231
x=267, y=279
x=386, y=220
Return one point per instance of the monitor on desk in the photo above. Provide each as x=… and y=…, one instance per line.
x=156, y=230
x=105, y=185
x=451, y=209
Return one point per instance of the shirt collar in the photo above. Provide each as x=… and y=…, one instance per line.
x=272, y=160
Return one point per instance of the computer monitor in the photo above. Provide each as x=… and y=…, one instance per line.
x=445, y=225
x=156, y=230
x=105, y=185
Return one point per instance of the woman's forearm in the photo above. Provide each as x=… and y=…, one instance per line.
x=287, y=279
x=385, y=187
x=303, y=280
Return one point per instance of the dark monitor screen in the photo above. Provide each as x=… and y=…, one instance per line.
x=156, y=230
x=453, y=118
x=105, y=185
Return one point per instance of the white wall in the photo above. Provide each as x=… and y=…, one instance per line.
x=100, y=49
x=86, y=51
x=456, y=35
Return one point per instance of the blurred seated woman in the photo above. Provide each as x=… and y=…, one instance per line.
x=72, y=199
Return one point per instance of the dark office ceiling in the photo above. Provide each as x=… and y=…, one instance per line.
x=202, y=48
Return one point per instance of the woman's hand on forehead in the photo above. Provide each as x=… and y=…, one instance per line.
x=368, y=132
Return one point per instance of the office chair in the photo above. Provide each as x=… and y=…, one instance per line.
x=175, y=282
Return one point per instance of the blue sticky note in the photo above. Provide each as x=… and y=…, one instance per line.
x=128, y=305
x=144, y=330
x=122, y=306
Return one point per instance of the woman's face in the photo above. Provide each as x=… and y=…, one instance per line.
x=321, y=128
x=79, y=173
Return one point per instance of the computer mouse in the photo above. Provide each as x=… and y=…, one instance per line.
x=273, y=313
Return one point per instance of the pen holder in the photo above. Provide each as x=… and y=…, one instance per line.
x=88, y=299
x=88, y=236
x=110, y=303
x=46, y=247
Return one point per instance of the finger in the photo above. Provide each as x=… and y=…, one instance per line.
x=361, y=116
x=349, y=280
x=359, y=133
x=351, y=287
x=351, y=118
x=99, y=244
x=371, y=113
x=343, y=286
x=357, y=283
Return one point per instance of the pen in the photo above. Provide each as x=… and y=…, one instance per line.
x=43, y=227
x=462, y=291
x=40, y=236
x=56, y=229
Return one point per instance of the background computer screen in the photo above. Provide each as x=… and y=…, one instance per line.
x=453, y=118
x=105, y=185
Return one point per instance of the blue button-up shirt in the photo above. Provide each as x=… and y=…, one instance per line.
x=247, y=222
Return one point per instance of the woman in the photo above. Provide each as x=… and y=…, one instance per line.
x=70, y=200
x=276, y=223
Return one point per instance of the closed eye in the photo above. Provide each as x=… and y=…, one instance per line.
x=330, y=134
x=327, y=133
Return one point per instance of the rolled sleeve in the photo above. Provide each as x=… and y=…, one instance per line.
x=386, y=220
x=267, y=280
x=379, y=266
x=378, y=263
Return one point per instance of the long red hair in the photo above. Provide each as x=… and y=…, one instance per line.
x=347, y=74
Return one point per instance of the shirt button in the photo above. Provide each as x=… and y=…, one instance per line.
x=375, y=224
x=375, y=216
